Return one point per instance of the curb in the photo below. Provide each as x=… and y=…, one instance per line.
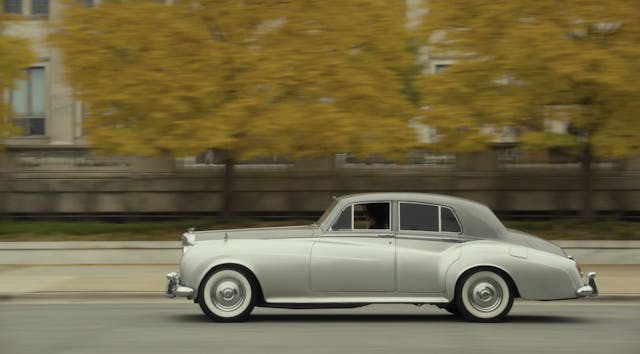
x=86, y=295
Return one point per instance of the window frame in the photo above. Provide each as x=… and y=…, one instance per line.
x=422, y=232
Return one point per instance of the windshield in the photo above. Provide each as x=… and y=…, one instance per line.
x=327, y=211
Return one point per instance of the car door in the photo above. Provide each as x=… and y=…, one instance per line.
x=356, y=254
x=427, y=243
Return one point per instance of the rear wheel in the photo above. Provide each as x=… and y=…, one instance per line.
x=483, y=296
x=227, y=295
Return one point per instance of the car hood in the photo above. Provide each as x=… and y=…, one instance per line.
x=525, y=239
x=256, y=233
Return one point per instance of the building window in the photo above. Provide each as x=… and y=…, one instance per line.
x=12, y=6
x=39, y=7
x=28, y=102
x=438, y=68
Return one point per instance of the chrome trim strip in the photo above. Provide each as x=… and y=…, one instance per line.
x=359, y=299
x=431, y=238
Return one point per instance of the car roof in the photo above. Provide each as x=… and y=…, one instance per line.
x=476, y=218
x=411, y=196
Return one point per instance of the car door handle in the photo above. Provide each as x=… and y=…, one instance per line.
x=386, y=236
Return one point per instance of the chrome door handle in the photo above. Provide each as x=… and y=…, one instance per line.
x=386, y=236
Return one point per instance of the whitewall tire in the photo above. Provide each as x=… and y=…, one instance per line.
x=227, y=295
x=484, y=295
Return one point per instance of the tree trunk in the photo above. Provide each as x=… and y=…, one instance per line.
x=587, y=183
x=227, y=193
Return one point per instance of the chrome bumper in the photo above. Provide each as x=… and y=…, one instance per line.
x=174, y=288
x=589, y=289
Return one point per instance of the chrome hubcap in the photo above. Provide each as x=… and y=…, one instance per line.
x=485, y=295
x=228, y=294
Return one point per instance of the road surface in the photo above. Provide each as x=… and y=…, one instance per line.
x=178, y=326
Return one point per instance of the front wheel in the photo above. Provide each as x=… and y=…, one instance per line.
x=227, y=295
x=483, y=296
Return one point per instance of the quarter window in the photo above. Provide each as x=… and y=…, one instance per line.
x=449, y=221
x=344, y=221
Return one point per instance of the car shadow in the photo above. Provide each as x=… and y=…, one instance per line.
x=545, y=319
x=382, y=318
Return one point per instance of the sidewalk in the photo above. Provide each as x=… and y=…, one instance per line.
x=61, y=280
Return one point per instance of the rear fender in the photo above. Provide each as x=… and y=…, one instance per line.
x=536, y=275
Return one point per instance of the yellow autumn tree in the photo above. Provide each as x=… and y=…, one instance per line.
x=15, y=55
x=525, y=65
x=252, y=78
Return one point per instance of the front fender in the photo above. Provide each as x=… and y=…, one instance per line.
x=280, y=266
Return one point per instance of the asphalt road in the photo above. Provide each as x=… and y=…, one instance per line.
x=179, y=327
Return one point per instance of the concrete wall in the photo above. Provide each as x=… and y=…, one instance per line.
x=119, y=186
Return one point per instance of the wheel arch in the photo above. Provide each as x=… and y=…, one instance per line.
x=475, y=268
x=237, y=266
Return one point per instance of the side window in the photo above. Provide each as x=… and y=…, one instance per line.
x=344, y=221
x=449, y=221
x=418, y=217
x=371, y=216
x=365, y=216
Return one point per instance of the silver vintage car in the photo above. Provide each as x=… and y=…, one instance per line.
x=377, y=248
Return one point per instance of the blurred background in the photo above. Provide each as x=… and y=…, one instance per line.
x=158, y=110
x=127, y=121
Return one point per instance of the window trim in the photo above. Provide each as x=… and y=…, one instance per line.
x=439, y=232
